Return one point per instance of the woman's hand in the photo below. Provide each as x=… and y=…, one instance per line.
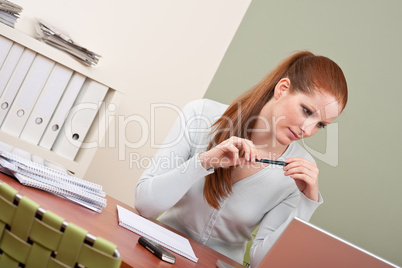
x=305, y=174
x=227, y=153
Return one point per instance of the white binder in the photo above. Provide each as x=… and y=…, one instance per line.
x=79, y=119
x=46, y=104
x=9, y=65
x=15, y=81
x=59, y=116
x=27, y=95
x=5, y=45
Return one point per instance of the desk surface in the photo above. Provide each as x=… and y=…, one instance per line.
x=106, y=225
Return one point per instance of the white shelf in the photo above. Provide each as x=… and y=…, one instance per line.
x=114, y=95
x=61, y=57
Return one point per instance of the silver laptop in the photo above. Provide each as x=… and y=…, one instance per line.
x=305, y=245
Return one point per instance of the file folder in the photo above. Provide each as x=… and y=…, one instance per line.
x=14, y=83
x=79, y=119
x=5, y=45
x=9, y=65
x=46, y=104
x=27, y=95
x=60, y=114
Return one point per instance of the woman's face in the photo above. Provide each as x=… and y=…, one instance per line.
x=299, y=115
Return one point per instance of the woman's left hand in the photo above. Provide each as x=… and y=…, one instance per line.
x=305, y=174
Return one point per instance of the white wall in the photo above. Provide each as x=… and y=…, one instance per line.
x=164, y=51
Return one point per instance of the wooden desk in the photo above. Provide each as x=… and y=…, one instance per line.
x=106, y=225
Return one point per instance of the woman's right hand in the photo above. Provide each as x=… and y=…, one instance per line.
x=227, y=153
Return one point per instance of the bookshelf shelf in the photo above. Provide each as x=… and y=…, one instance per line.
x=78, y=162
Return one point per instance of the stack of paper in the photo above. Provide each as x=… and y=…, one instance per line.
x=33, y=171
x=9, y=12
x=54, y=37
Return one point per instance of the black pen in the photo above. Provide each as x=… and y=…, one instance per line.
x=274, y=162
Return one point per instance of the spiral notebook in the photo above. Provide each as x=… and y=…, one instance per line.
x=29, y=173
x=156, y=233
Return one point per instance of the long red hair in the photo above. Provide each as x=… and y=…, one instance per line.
x=306, y=72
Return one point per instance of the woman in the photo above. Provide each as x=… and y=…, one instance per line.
x=206, y=179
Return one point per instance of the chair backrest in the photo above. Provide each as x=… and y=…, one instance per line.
x=33, y=237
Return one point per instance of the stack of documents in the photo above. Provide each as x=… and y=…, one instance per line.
x=38, y=173
x=9, y=12
x=54, y=37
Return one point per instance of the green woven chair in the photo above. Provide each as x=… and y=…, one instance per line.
x=33, y=237
x=246, y=260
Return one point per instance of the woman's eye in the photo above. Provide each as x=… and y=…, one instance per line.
x=307, y=111
x=321, y=125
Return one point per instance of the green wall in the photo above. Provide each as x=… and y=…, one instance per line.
x=362, y=192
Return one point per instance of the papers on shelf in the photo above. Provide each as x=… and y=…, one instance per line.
x=156, y=233
x=10, y=7
x=9, y=12
x=33, y=171
x=56, y=38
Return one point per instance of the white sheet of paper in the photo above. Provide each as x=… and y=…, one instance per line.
x=156, y=233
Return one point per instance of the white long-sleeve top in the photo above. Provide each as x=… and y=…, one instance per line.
x=174, y=181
